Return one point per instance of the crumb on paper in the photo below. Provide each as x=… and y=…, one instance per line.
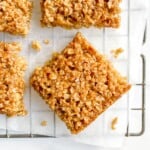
x=46, y=41
x=117, y=52
x=44, y=123
x=114, y=123
x=36, y=45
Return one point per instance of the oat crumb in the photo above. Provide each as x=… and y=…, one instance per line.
x=46, y=41
x=113, y=123
x=44, y=123
x=36, y=45
x=117, y=52
x=15, y=16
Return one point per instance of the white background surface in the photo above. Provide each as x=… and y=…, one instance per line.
x=132, y=143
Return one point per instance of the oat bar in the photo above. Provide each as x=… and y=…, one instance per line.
x=79, y=84
x=80, y=13
x=12, y=85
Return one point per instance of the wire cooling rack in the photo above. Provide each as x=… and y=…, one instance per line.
x=106, y=37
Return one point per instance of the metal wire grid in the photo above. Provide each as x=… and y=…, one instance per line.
x=142, y=85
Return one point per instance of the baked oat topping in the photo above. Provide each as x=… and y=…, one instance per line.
x=36, y=45
x=78, y=84
x=15, y=16
x=80, y=13
x=12, y=85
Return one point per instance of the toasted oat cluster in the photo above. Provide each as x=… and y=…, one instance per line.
x=79, y=84
x=36, y=45
x=80, y=13
x=15, y=16
x=12, y=85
